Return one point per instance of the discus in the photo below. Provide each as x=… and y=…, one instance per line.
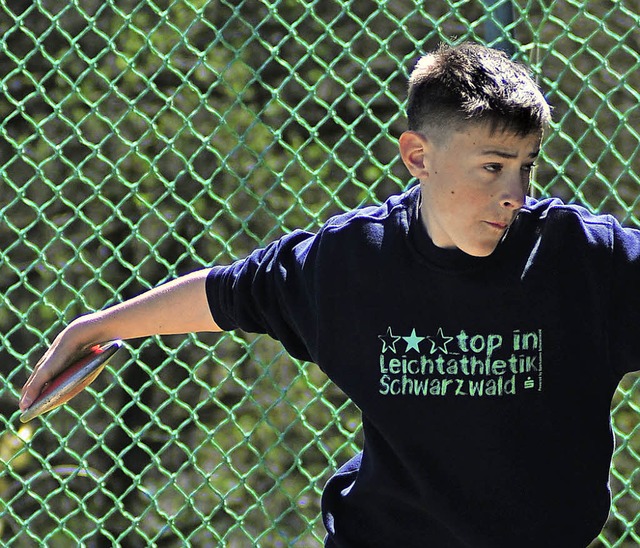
x=72, y=380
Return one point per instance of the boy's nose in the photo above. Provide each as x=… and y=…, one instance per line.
x=513, y=195
x=513, y=202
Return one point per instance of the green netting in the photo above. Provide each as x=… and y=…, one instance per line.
x=143, y=139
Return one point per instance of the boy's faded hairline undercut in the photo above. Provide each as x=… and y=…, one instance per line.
x=469, y=83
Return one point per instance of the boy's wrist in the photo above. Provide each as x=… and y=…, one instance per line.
x=87, y=331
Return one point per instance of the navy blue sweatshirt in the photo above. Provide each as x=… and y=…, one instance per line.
x=484, y=383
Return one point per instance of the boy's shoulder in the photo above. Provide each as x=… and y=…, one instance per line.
x=344, y=234
x=396, y=210
x=555, y=208
x=361, y=226
x=573, y=224
x=552, y=212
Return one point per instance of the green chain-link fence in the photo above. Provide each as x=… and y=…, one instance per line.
x=144, y=139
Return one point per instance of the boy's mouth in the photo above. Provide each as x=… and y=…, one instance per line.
x=498, y=225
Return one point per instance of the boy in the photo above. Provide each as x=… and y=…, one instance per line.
x=465, y=320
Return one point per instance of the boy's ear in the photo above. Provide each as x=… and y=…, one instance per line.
x=414, y=151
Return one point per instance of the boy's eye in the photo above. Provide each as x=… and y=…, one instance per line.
x=497, y=168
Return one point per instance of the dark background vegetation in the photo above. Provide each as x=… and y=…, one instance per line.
x=143, y=140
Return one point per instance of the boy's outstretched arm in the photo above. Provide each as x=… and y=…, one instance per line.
x=177, y=307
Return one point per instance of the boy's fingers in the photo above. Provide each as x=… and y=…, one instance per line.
x=68, y=345
x=30, y=392
x=34, y=385
x=45, y=369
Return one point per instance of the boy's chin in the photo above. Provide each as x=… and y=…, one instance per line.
x=479, y=250
x=481, y=255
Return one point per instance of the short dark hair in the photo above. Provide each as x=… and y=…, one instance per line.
x=469, y=83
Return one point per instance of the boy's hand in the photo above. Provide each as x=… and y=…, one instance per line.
x=67, y=346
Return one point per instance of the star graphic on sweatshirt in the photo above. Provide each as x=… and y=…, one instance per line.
x=389, y=341
x=440, y=342
x=413, y=341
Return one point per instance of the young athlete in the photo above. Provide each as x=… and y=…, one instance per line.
x=482, y=333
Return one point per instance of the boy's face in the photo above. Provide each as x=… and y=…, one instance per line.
x=473, y=185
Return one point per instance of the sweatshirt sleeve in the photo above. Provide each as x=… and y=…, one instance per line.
x=270, y=291
x=625, y=305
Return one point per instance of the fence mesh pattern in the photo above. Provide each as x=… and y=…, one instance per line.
x=144, y=139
